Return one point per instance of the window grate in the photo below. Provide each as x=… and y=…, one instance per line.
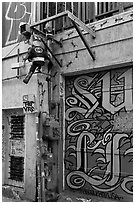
x=106, y=9
x=17, y=127
x=16, y=158
x=16, y=168
x=85, y=11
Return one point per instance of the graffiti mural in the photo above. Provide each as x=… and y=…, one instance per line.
x=99, y=138
x=14, y=13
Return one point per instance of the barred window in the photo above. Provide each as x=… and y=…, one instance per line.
x=16, y=156
x=85, y=11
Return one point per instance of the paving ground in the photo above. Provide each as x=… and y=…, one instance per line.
x=10, y=195
x=68, y=196
x=5, y=199
x=65, y=197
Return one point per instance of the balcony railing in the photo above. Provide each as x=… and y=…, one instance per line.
x=106, y=9
x=85, y=11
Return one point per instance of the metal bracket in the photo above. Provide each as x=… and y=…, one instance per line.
x=81, y=24
x=76, y=22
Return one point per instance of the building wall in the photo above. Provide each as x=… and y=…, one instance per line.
x=14, y=93
x=97, y=130
x=113, y=45
x=89, y=155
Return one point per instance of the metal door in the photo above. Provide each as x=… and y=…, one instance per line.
x=98, y=134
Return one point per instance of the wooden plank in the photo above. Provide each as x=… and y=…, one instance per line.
x=65, y=13
x=80, y=23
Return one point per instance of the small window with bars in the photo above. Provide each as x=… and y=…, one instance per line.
x=106, y=9
x=85, y=11
x=16, y=158
x=17, y=127
x=16, y=168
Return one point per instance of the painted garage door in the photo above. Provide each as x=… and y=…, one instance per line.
x=98, y=134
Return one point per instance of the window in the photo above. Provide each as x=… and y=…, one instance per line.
x=85, y=11
x=16, y=155
x=106, y=9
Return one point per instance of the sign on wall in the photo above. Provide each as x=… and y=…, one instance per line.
x=29, y=103
x=99, y=133
x=17, y=148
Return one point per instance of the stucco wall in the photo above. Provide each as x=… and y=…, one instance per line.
x=98, y=108
x=113, y=45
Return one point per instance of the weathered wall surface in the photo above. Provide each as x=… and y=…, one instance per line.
x=113, y=46
x=98, y=134
x=98, y=137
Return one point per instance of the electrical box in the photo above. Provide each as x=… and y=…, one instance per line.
x=51, y=130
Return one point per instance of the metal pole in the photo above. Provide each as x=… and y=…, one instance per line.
x=38, y=157
x=51, y=53
x=18, y=52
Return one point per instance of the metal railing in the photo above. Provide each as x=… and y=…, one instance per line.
x=106, y=9
x=86, y=11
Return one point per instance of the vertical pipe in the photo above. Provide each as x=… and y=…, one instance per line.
x=85, y=154
x=18, y=52
x=38, y=159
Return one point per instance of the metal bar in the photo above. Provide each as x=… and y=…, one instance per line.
x=71, y=16
x=84, y=40
x=39, y=187
x=65, y=13
x=52, y=54
x=109, y=6
x=81, y=24
x=104, y=7
x=18, y=53
x=99, y=8
x=83, y=11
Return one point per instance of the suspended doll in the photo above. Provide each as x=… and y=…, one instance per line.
x=37, y=54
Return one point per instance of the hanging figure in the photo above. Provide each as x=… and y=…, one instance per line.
x=37, y=55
